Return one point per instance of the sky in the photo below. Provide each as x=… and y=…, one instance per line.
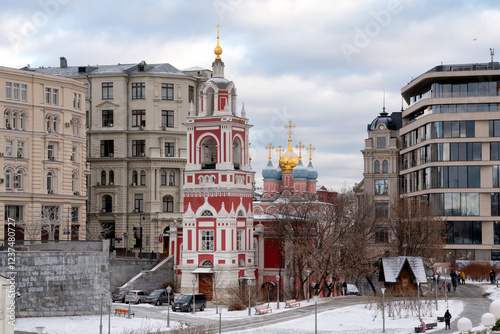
x=323, y=64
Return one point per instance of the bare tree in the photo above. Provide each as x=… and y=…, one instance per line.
x=415, y=230
x=219, y=281
x=46, y=223
x=98, y=230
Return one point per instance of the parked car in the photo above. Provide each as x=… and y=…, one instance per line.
x=120, y=296
x=352, y=290
x=184, y=302
x=136, y=296
x=159, y=297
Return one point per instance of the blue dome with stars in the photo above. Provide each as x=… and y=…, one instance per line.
x=269, y=172
x=312, y=173
x=300, y=172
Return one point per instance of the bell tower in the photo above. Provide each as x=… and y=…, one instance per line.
x=217, y=229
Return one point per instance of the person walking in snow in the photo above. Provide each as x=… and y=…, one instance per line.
x=463, y=277
x=493, y=276
x=447, y=319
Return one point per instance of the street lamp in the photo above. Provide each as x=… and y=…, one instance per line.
x=109, y=302
x=308, y=272
x=194, y=295
x=249, y=283
x=418, y=296
x=383, y=309
x=278, y=293
x=436, y=278
x=446, y=286
x=141, y=218
x=169, y=290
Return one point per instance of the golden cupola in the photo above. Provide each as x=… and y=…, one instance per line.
x=218, y=49
x=289, y=159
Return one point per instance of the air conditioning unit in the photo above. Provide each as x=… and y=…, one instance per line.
x=110, y=155
x=98, y=183
x=51, y=191
x=133, y=184
x=52, y=158
x=142, y=154
x=1, y=154
x=19, y=155
x=141, y=127
x=110, y=124
x=76, y=193
x=9, y=126
x=1, y=180
x=163, y=127
x=71, y=158
x=67, y=124
x=16, y=178
x=103, y=210
x=111, y=184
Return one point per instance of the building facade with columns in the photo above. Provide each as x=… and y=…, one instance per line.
x=42, y=157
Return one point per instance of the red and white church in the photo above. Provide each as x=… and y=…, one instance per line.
x=220, y=244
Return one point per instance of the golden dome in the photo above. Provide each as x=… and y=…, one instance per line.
x=218, y=49
x=290, y=159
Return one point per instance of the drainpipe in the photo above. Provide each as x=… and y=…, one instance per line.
x=128, y=166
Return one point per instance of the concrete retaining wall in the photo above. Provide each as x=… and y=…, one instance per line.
x=122, y=270
x=150, y=280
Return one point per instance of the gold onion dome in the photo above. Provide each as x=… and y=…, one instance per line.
x=289, y=159
x=218, y=49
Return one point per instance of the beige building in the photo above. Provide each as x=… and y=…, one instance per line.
x=42, y=157
x=448, y=141
x=136, y=148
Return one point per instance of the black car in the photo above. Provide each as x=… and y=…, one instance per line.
x=184, y=302
x=159, y=297
x=120, y=296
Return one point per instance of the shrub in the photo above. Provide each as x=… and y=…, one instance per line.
x=478, y=270
x=236, y=305
x=497, y=326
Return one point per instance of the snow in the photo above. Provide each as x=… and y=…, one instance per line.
x=352, y=319
x=392, y=267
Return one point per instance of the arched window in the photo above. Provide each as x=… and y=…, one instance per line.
x=207, y=213
x=18, y=180
x=171, y=178
x=240, y=213
x=103, y=178
x=50, y=180
x=21, y=122
x=7, y=122
x=48, y=123
x=163, y=176
x=377, y=166
x=8, y=176
x=143, y=178
x=236, y=153
x=111, y=177
x=385, y=166
x=54, y=127
x=209, y=154
x=73, y=183
x=107, y=203
x=14, y=120
x=134, y=177
x=168, y=204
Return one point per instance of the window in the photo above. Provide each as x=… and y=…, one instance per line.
x=207, y=240
x=111, y=177
x=169, y=150
x=167, y=118
x=74, y=214
x=138, y=90
x=107, y=118
x=163, y=178
x=107, y=148
x=381, y=187
x=74, y=100
x=24, y=92
x=191, y=93
x=381, y=142
x=377, y=167
x=138, y=117
x=21, y=122
x=50, y=152
x=13, y=212
x=73, y=153
x=78, y=100
x=134, y=177
x=143, y=178
x=8, y=178
x=55, y=95
x=496, y=232
x=456, y=204
x=20, y=149
x=207, y=213
x=73, y=183
x=138, y=202
x=16, y=91
x=8, y=148
x=138, y=148
x=107, y=203
x=464, y=232
x=385, y=166
x=18, y=180
x=47, y=95
x=239, y=240
x=167, y=91
x=107, y=90
x=50, y=180
x=381, y=209
x=168, y=204
x=381, y=235
x=171, y=178
x=8, y=90
x=103, y=178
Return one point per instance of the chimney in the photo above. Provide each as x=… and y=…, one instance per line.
x=63, y=63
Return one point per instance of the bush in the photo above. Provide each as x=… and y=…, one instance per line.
x=497, y=326
x=236, y=305
x=478, y=270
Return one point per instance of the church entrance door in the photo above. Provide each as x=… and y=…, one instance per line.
x=207, y=285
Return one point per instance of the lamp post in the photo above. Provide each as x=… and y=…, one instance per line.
x=308, y=272
x=141, y=218
x=169, y=290
x=194, y=295
x=418, y=296
x=249, y=282
x=446, y=286
x=109, y=302
x=383, y=309
x=436, y=278
x=100, y=323
x=278, y=293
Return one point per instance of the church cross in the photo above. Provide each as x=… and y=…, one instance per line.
x=218, y=26
x=270, y=147
x=300, y=147
x=289, y=127
x=280, y=150
x=310, y=148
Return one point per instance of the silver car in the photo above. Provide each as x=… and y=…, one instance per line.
x=136, y=296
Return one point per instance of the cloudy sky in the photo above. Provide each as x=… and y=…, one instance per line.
x=324, y=64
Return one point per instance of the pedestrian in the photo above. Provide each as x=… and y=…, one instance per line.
x=344, y=286
x=454, y=283
x=492, y=276
x=449, y=287
x=422, y=324
x=447, y=319
x=463, y=277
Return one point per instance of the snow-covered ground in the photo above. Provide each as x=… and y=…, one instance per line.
x=353, y=319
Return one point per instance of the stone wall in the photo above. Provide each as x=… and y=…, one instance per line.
x=122, y=270
x=58, y=283
x=152, y=279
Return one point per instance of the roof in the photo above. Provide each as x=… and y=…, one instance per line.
x=73, y=71
x=392, y=266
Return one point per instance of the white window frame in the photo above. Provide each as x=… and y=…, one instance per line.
x=207, y=240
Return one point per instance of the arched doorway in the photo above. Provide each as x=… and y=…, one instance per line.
x=166, y=240
x=206, y=280
x=269, y=290
x=209, y=154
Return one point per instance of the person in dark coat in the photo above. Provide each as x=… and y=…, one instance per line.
x=447, y=319
x=454, y=283
x=493, y=276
